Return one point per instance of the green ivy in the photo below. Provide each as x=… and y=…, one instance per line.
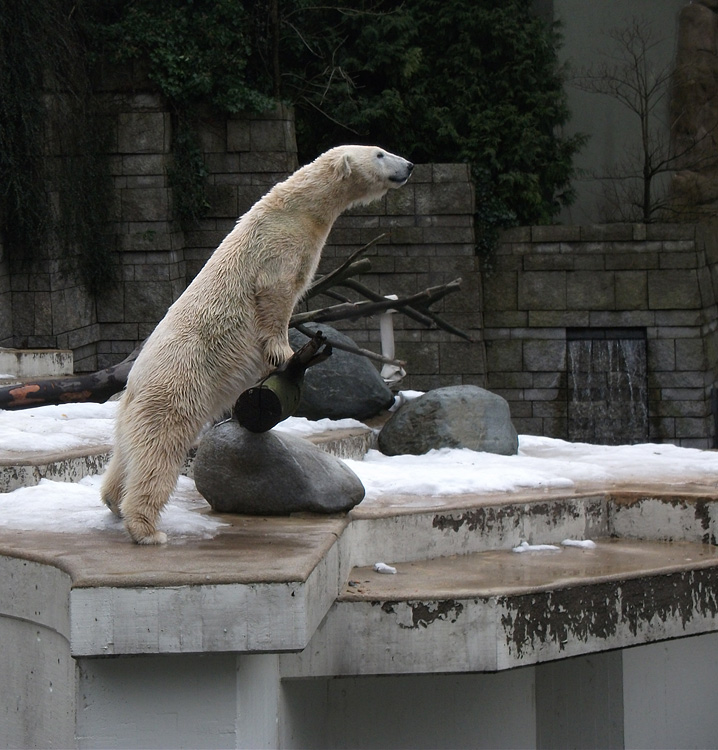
x=61, y=203
x=471, y=81
x=196, y=51
x=200, y=54
x=188, y=175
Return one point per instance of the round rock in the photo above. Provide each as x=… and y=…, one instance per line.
x=345, y=385
x=462, y=416
x=271, y=473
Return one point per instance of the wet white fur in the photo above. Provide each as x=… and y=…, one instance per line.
x=229, y=328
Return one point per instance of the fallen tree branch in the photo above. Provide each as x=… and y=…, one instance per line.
x=407, y=310
x=345, y=269
x=353, y=349
x=427, y=318
x=96, y=386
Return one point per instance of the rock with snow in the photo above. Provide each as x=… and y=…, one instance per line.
x=462, y=416
x=271, y=473
x=345, y=385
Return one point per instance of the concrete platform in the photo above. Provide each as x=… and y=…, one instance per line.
x=265, y=584
x=490, y=611
x=296, y=601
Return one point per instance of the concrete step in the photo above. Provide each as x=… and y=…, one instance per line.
x=496, y=610
x=24, y=364
x=408, y=529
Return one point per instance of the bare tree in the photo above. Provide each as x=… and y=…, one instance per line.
x=636, y=75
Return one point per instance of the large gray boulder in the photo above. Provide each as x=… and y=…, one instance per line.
x=345, y=385
x=462, y=416
x=271, y=473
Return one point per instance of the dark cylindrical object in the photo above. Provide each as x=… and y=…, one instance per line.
x=277, y=397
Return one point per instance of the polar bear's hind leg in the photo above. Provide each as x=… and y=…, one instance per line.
x=113, y=483
x=152, y=464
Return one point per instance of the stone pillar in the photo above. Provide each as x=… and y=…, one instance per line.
x=694, y=111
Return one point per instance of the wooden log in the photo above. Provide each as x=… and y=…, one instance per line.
x=96, y=386
x=277, y=396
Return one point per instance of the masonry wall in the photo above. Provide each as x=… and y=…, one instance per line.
x=428, y=223
x=429, y=228
x=244, y=156
x=660, y=278
x=5, y=300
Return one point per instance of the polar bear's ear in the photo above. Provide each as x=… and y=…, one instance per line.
x=343, y=166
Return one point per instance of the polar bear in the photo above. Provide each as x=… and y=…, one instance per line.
x=229, y=327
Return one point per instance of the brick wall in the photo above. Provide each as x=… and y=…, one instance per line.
x=658, y=279
x=6, y=337
x=430, y=240
x=546, y=285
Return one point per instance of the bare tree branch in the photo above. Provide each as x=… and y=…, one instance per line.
x=351, y=310
x=635, y=74
x=353, y=349
x=346, y=269
x=96, y=386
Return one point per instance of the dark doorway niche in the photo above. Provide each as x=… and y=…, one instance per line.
x=607, y=385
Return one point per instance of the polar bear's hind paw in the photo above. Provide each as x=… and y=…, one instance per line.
x=143, y=532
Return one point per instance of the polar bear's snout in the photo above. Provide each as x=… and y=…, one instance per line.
x=402, y=174
x=398, y=169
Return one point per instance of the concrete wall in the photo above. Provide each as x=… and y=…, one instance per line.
x=658, y=278
x=654, y=696
x=613, y=130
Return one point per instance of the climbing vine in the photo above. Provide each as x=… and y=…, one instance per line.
x=55, y=184
x=199, y=54
x=470, y=81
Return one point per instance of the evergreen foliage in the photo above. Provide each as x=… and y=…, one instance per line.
x=473, y=81
x=200, y=54
x=197, y=51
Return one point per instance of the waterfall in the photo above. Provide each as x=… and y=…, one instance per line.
x=607, y=389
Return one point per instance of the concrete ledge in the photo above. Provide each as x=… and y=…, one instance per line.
x=262, y=585
x=35, y=363
x=462, y=601
x=499, y=610
x=27, y=470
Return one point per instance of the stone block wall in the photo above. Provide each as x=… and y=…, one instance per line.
x=6, y=334
x=429, y=228
x=243, y=156
x=658, y=280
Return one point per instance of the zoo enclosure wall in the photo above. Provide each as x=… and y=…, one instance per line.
x=541, y=282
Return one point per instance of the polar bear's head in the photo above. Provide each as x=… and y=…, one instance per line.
x=370, y=170
x=341, y=177
x=371, y=164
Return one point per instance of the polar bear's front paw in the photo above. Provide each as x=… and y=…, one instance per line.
x=277, y=352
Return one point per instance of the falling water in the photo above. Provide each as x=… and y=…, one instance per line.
x=607, y=390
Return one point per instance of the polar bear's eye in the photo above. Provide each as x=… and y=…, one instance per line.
x=380, y=155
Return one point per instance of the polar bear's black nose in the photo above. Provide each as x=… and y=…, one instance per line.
x=410, y=167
